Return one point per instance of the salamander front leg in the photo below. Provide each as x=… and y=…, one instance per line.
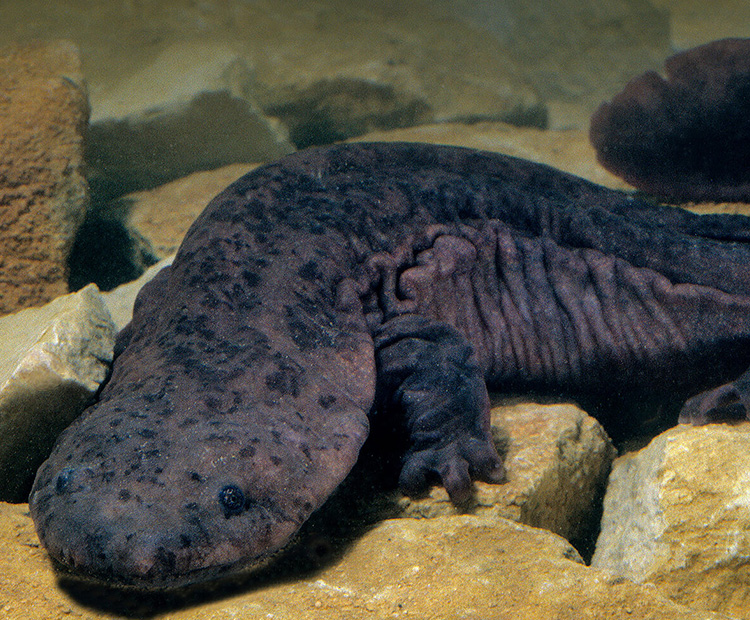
x=427, y=377
x=730, y=401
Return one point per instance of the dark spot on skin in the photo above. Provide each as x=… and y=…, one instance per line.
x=288, y=380
x=326, y=400
x=123, y=495
x=304, y=337
x=146, y=433
x=276, y=460
x=212, y=402
x=310, y=272
x=194, y=475
x=247, y=452
x=232, y=500
x=251, y=278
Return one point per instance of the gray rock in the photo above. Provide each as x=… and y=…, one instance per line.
x=677, y=514
x=52, y=360
x=695, y=23
x=339, y=69
x=190, y=109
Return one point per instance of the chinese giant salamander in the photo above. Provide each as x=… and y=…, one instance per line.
x=363, y=283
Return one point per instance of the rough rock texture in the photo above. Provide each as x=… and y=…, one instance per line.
x=557, y=460
x=447, y=567
x=43, y=112
x=685, y=136
x=677, y=514
x=190, y=109
x=52, y=360
x=337, y=69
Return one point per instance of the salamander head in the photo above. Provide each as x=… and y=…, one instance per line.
x=135, y=515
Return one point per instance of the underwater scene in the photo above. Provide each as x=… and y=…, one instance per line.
x=375, y=309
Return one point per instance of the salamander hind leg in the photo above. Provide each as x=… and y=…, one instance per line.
x=427, y=378
x=730, y=401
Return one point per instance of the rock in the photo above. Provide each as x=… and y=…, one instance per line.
x=575, y=53
x=693, y=22
x=557, y=460
x=732, y=208
x=330, y=70
x=190, y=109
x=677, y=514
x=448, y=567
x=119, y=302
x=43, y=194
x=340, y=69
x=52, y=360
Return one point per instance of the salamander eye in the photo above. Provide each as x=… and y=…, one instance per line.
x=232, y=500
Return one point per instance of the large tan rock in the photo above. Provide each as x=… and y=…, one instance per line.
x=52, y=360
x=448, y=567
x=557, y=460
x=677, y=514
x=43, y=194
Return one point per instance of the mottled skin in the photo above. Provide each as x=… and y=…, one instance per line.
x=378, y=282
